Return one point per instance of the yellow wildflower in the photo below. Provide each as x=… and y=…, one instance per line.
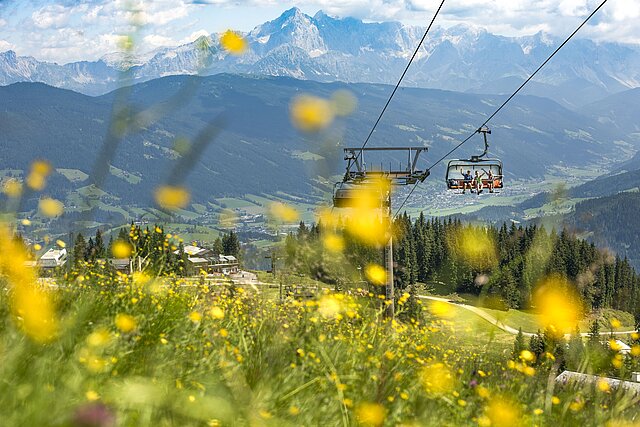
x=50, y=207
x=172, y=198
x=283, y=212
x=376, y=274
x=125, y=323
x=436, y=378
x=121, y=249
x=370, y=414
x=311, y=114
x=233, y=42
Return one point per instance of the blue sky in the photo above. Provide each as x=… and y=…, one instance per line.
x=65, y=31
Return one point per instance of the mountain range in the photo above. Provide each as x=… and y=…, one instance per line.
x=255, y=149
x=323, y=48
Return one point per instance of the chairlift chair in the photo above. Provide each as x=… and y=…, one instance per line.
x=358, y=187
x=456, y=167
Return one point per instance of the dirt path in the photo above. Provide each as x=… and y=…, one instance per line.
x=498, y=323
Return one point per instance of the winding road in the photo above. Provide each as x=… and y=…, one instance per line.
x=499, y=324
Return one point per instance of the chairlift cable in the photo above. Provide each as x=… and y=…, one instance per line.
x=395, y=89
x=505, y=102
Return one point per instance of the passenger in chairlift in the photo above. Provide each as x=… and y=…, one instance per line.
x=477, y=182
x=490, y=179
x=467, y=179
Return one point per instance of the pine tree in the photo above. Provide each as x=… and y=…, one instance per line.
x=79, y=250
x=217, y=246
x=99, y=245
x=594, y=332
x=231, y=244
x=91, y=250
x=536, y=345
x=519, y=345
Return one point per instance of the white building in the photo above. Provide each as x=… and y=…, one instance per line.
x=569, y=377
x=225, y=264
x=53, y=258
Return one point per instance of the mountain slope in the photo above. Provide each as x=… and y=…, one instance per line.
x=258, y=151
x=611, y=222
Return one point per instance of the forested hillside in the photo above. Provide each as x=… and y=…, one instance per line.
x=506, y=262
x=611, y=222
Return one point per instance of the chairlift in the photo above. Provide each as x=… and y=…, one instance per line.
x=360, y=186
x=490, y=170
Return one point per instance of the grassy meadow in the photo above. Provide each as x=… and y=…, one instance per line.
x=149, y=352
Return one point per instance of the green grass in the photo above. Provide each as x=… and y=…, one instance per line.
x=128, y=177
x=528, y=321
x=73, y=175
x=256, y=360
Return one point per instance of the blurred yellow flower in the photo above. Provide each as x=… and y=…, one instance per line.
x=614, y=345
x=121, y=249
x=558, y=305
x=333, y=243
x=216, y=313
x=503, y=413
x=576, y=405
x=370, y=414
x=50, y=207
x=437, y=378
x=441, y=309
x=37, y=178
x=25, y=222
x=99, y=338
x=92, y=396
x=195, y=316
x=35, y=311
x=328, y=218
x=227, y=218
x=329, y=306
x=311, y=114
x=527, y=356
x=369, y=227
x=603, y=385
x=172, y=198
x=376, y=274
x=344, y=102
x=283, y=212
x=125, y=323
x=61, y=243
x=233, y=42
x=483, y=392
x=615, y=323
x=12, y=188
x=474, y=246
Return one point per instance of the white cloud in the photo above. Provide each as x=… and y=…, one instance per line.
x=155, y=40
x=2, y=22
x=5, y=46
x=52, y=16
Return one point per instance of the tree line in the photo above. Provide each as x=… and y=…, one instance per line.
x=505, y=262
x=150, y=249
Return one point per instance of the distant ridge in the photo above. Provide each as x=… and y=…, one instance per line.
x=324, y=48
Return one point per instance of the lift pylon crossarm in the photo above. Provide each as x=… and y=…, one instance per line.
x=358, y=171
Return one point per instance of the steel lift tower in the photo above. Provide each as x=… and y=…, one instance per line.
x=349, y=192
